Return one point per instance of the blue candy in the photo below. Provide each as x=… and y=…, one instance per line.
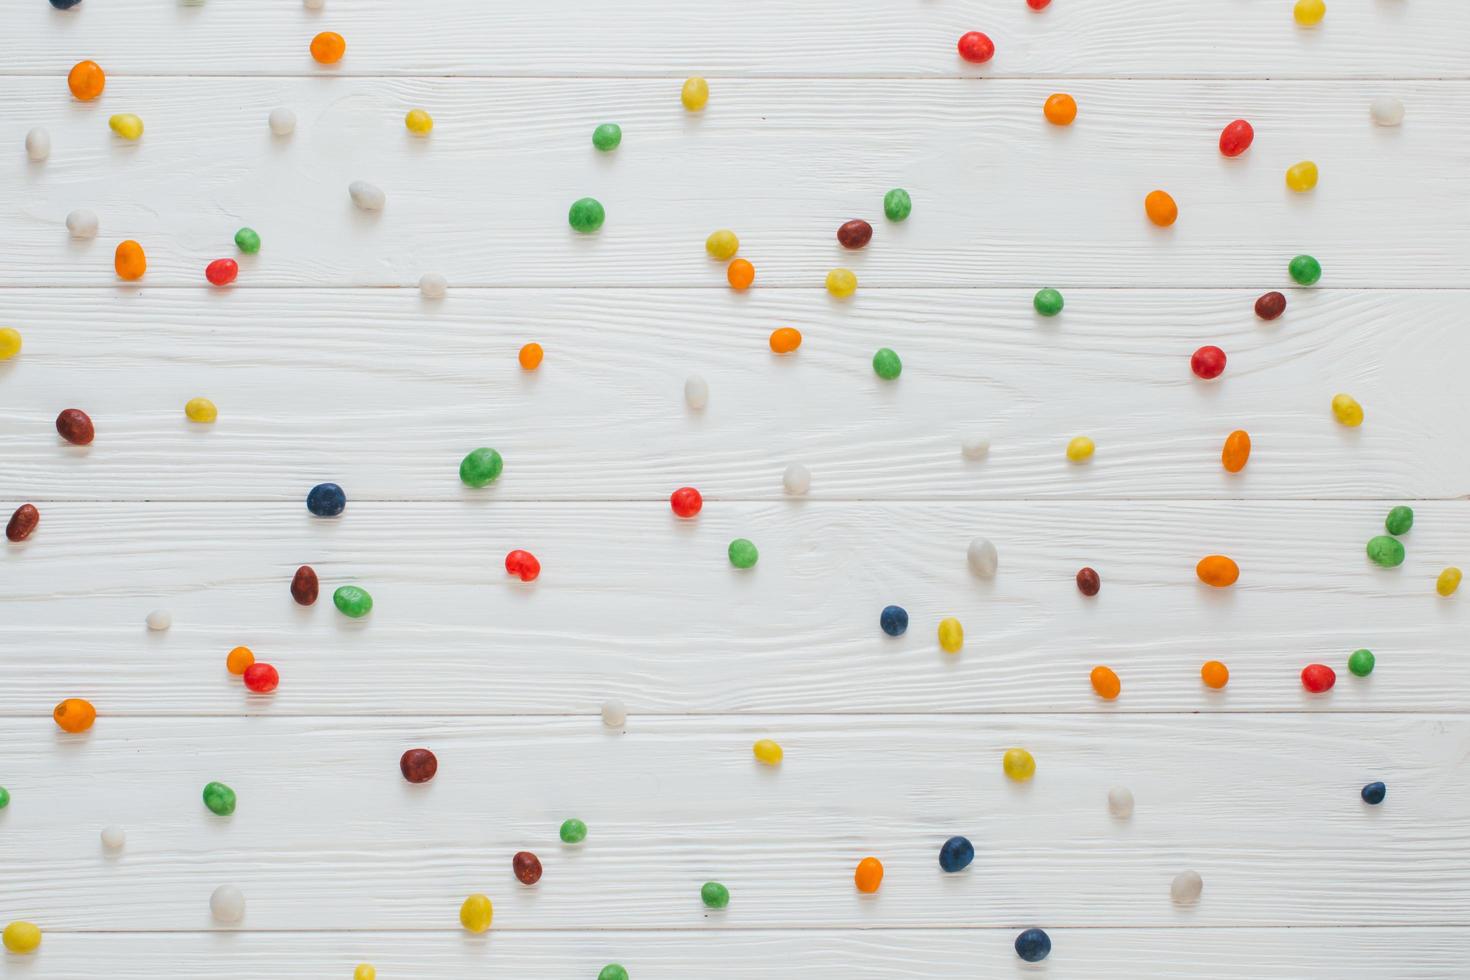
x=64, y=4
x=956, y=854
x=1374, y=793
x=1033, y=945
x=894, y=620
x=326, y=500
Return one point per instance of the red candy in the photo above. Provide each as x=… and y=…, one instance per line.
x=524, y=564
x=527, y=867
x=75, y=426
x=1208, y=362
x=976, y=48
x=1318, y=678
x=1236, y=138
x=1270, y=305
x=261, y=678
x=305, y=586
x=22, y=522
x=418, y=765
x=222, y=272
x=855, y=233
x=686, y=501
x=1038, y=4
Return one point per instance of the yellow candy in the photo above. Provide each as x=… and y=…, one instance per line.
x=1301, y=176
x=768, y=752
x=1347, y=410
x=951, y=635
x=126, y=125
x=841, y=283
x=476, y=912
x=22, y=937
x=1448, y=581
x=694, y=94
x=1080, y=449
x=1309, y=13
x=722, y=244
x=201, y=410
x=418, y=122
x=9, y=343
x=365, y=971
x=1018, y=764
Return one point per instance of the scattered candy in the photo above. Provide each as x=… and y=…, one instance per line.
x=614, y=714
x=364, y=971
x=1309, y=13
x=38, y=144
x=1361, y=662
x=1301, y=177
x=767, y=752
x=480, y=467
x=530, y=355
x=613, y=971
x=219, y=799
x=1374, y=793
x=64, y=4
x=897, y=205
x=129, y=261
x=785, y=340
x=1318, y=678
x=432, y=285
x=686, y=501
x=1386, y=551
x=743, y=553
x=1448, y=581
x=1217, y=570
x=1160, y=208
x=261, y=678
x=694, y=94
x=1060, y=109
x=951, y=635
x=796, y=480
x=1120, y=802
x=419, y=122
x=4, y=797
x=326, y=500
x=869, y=875
x=86, y=80
x=418, y=765
x=1105, y=682
x=714, y=895
x=74, y=715
x=1347, y=411
x=238, y=660
x=1080, y=449
x=1304, y=270
x=368, y=197
x=886, y=364
x=956, y=854
x=722, y=244
x=1236, y=138
x=1271, y=305
x=526, y=867
x=82, y=224
x=983, y=557
x=282, y=121
x=10, y=343
x=522, y=564
x=740, y=274
x=1047, y=302
x=1033, y=945
x=1215, y=674
x=75, y=426
x=1208, y=362
x=894, y=620
x=696, y=392
x=221, y=272
x=1186, y=887
x=22, y=523
x=607, y=136
x=113, y=838
x=1088, y=581
x=1399, y=520
x=328, y=47
x=586, y=215
x=1018, y=764
x=1386, y=110
x=21, y=937
x=976, y=48
x=1038, y=4
x=974, y=447
x=200, y=410
x=1236, y=452
x=855, y=233
x=841, y=283
x=159, y=620
x=247, y=240
x=352, y=601
x=573, y=831
x=476, y=912
x=126, y=125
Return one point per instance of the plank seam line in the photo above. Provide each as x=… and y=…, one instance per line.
x=673, y=75
x=1453, y=714
x=773, y=499
x=694, y=929
x=570, y=286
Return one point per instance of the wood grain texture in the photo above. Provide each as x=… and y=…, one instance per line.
x=817, y=954
x=999, y=194
x=1366, y=38
x=633, y=603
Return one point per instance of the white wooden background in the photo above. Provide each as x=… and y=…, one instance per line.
x=326, y=364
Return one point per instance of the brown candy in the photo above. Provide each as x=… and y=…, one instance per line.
x=1088, y=581
x=527, y=867
x=304, y=586
x=75, y=427
x=1270, y=305
x=855, y=233
x=22, y=522
x=418, y=765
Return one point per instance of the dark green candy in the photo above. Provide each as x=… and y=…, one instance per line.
x=714, y=895
x=480, y=467
x=586, y=215
x=1361, y=662
x=1305, y=270
x=573, y=831
x=607, y=137
x=897, y=205
x=1386, y=551
x=247, y=241
x=352, y=600
x=1399, y=520
x=219, y=798
x=743, y=553
x=886, y=364
x=1048, y=302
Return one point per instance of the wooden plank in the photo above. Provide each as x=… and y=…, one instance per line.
x=999, y=198
x=328, y=835
x=760, y=37
x=636, y=605
x=384, y=392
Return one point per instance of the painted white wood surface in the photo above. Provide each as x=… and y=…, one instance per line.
x=1001, y=197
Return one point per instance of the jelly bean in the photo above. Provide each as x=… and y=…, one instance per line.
x=432, y=285
x=951, y=635
x=1318, y=678
x=86, y=80
x=221, y=272
x=1270, y=305
x=796, y=480
x=1120, y=802
x=1105, y=682
x=886, y=364
x=1217, y=570
x=38, y=144
x=1386, y=110
x=1236, y=138
x=586, y=215
x=305, y=587
x=10, y=343
x=476, y=912
x=1309, y=13
x=974, y=447
x=1399, y=520
x=976, y=48
x=159, y=620
x=418, y=122
x=1060, y=109
x=1236, y=452
x=1186, y=887
x=247, y=240
x=869, y=875
x=784, y=340
x=1038, y=4
x=695, y=94
x=238, y=660
x=1033, y=945
x=1346, y=410
x=326, y=500
x=328, y=47
x=740, y=274
x=1208, y=362
x=722, y=244
x=613, y=971
x=897, y=205
x=1448, y=581
x=614, y=714
x=1374, y=793
x=841, y=283
x=1088, y=581
x=767, y=752
x=983, y=557
x=1215, y=674
x=74, y=715
x=4, y=797
x=714, y=895
x=1304, y=270
x=82, y=224
x=200, y=410
x=894, y=620
x=64, y=4
x=696, y=392
x=282, y=121
x=1160, y=208
x=1361, y=662
x=607, y=137
x=364, y=971
x=1047, y=302
x=1080, y=449
x=1018, y=764
x=219, y=799
x=22, y=937
x=743, y=553
x=114, y=838
x=526, y=867
x=1301, y=177
x=573, y=831
x=22, y=523
x=530, y=356
x=261, y=678
x=418, y=765
x=956, y=854
x=318, y=5
x=368, y=197
x=522, y=564
x=126, y=125
x=686, y=501
x=129, y=261
x=352, y=601
x=855, y=233
x=1386, y=551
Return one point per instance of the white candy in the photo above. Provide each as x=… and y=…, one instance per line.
x=38, y=144
x=314, y=4
x=160, y=619
x=369, y=197
x=1387, y=111
x=696, y=392
x=227, y=904
x=984, y=559
x=797, y=479
x=1120, y=802
x=432, y=285
x=975, y=447
x=283, y=121
x=82, y=223
x=113, y=838
x=1186, y=887
x=614, y=714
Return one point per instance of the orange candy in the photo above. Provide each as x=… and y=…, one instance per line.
x=1217, y=570
x=741, y=274
x=129, y=261
x=86, y=80
x=784, y=340
x=238, y=659
x=74, y=715
x=1060, y=109
x=530, y=356
x=1160, y=208
x=1214, y=674
x=1237, y=450
x=868, y=876
x=328, y=47
x=1106, y=683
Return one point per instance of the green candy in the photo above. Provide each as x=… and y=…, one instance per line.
x=897, y=205
x=4, y=797
x=247, y=241
x=1399, y=520
x=573, y=831
x=607, y=137
x=1361, y=662
x=1305, y=270
x=714, y=895
x=743, y=553
x=1048, y=302
x=886, y=364
x=352, y=600
x=219, y=798
x=613, y=971
x=1386, y=551
x=586, y=215
x=480, y=467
